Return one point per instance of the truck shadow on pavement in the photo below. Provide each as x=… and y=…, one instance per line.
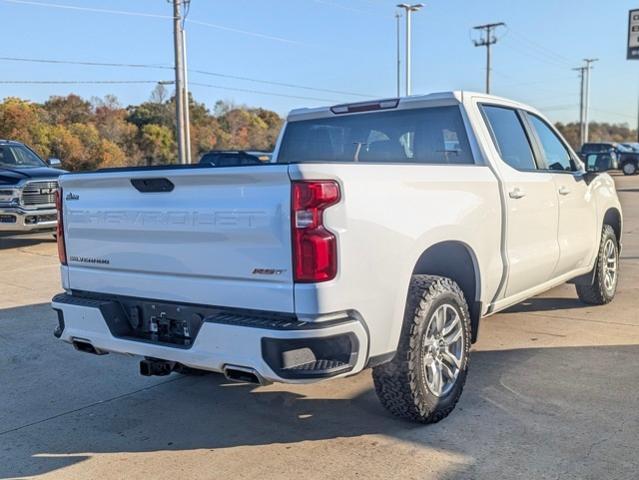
x=546, y=304
x=552, y=409
x=7, y=242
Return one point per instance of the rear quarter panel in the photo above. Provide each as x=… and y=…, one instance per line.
x=388, y=216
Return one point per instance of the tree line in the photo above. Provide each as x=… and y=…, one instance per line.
x=598, y=132
x=100, y=133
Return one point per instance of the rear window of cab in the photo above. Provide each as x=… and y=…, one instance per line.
x=433, y=135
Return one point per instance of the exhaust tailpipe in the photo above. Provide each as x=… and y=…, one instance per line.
x=84, y=346
x=240, y=374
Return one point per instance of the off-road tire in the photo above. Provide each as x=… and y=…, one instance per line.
x=400, y=383
x=597, y=294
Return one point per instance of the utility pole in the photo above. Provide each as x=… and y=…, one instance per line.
x=399, y=62
x=178, y=40
x=187, y=116
x=587, y=67
x=409, y=10
x=487, y=41
x=582, y=78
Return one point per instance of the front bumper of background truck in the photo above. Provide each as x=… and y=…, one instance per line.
x=18, y=219
x=275, y=347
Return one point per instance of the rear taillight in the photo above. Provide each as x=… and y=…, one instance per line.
x=314, y=247
x=62, y=251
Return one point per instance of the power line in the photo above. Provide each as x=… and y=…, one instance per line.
x=247, y=32
x=81, y=82
x=88, y=9
x=280, y=84
x=553, y=108
x=540, y=47
x=166, y=67
x=92, y=64
x=536, y=56
x=152, y=15
x=154, y=82
x=259, y=92
x=535, y=50
x=618, y=114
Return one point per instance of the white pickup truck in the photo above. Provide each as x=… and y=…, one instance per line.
x=379, y=236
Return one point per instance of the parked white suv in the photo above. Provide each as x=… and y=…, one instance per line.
x=378, y=237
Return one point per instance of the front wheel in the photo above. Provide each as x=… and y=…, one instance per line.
x=629, y=168
x=426, y=377
x=606, y=277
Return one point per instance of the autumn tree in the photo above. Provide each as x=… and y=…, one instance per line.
x=99, y=133
x=158, y=145
x=67, y=110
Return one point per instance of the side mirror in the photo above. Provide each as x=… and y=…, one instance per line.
x=598, y=162
x=54, y=162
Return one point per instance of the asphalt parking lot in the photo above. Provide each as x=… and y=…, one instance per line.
x=552, y=393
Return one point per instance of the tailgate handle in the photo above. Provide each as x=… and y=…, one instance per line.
x=152, y=185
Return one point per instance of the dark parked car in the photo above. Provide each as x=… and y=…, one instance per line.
x=235, y=158
x=621, y=156
x=632, y=146
x=27, y=189
x=597, y=162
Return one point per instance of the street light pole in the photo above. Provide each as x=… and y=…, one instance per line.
x=399, y=62
x=409, y=10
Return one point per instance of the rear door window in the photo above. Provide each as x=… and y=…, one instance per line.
x=556, y=155
x=435, y=135
x=510, y=137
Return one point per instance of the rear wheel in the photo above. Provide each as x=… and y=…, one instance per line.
x=606, y=277
x=629, y=168
x=425, y=379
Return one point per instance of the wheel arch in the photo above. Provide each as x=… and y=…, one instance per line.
x=455, y=260
x=612, y=217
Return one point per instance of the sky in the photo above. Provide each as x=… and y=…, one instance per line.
x=337, y=50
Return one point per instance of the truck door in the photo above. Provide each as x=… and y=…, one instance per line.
x=578, y=232
x=532, y=212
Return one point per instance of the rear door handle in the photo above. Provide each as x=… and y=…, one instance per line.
x=564, y=190
x=516, y=193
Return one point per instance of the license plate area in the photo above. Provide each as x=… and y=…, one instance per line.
x=155, y=322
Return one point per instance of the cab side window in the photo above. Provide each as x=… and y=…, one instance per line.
x=510, y=137
x=556, y=155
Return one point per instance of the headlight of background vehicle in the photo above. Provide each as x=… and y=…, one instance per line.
x=9, y=197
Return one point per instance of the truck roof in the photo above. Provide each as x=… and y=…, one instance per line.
x=412, y=101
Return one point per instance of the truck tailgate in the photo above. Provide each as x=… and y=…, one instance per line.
x=211, y=236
